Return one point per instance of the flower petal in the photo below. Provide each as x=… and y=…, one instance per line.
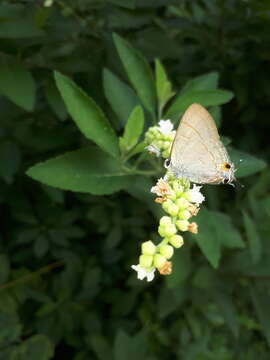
x=165, y=126
x=142, y=272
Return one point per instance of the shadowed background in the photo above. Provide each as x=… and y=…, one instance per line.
x=67, y=290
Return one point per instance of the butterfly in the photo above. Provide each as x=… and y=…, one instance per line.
x=197, y=153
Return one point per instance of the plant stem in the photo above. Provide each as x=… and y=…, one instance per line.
x=27, y=277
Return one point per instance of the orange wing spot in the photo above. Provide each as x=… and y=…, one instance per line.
x=226, y=166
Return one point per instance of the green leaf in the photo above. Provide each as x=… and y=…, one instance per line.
x=138, y=71
x=137, y=149
x=54, y=100
x=215, y=111
x=129, y=4
x=165, y=307
x=227, y=234
x=10, y=160
x=205, y=98
x=122, y=346
x=120, y=96
x=206, y=238
x=140, y=190
x=41, y=246
x=163, y=85
x=216, y=229
x=10, y=328
x=100, y=346
x=132, y=348
x=207, y=81
x=205, y=278
x=87, y=115
x=228, y=310
x=245, y=164
x=182, y=267
x=255, y=246
x=261, y=301
x=37, y=347
x=4, y=268
x=17, y=83
x=25, y=28
x=133, y=129
x=86, y=170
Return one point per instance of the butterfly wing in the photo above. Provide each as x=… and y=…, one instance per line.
x=197, y=153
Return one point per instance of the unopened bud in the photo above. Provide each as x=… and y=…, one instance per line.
x=173, y=209
x=159, y=261
x=166, y=250
x=182, y=225
x=146, y=261
x=165, y=220
x=169, y=230
x=166, y=153
x=182, y=203
x=148, y=248
x=177, y=241
x=184, y=214
x=166, y=145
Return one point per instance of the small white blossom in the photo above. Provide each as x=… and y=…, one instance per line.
x=162, y=188
x=144, y=273
x=153, y=149
x=48, y=3
x=194, y=195
x=165, y=126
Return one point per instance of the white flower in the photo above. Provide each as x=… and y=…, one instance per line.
x=194, y=195
x=153, y=149
x=48, y=3
x=162, y=188
x=142, y=272
x=165, y=126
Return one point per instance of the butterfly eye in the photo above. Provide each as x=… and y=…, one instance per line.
x=225, y=181
x=167, y=163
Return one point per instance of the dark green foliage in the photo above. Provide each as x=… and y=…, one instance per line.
x=66, y=287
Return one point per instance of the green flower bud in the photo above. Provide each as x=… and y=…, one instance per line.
x=146, y=261
x=149, y=138
x=179, y=192
x=172, y=209
x=175, y=185
x=166, y=251
x=169, y=230
x=165, y=154
x=176, y=240
x=159, y=261
x=172, y=196
x=165, y=220
x=182, y=225
x=184, y=215
x=148, y=248
x=161, y=231
x=160, y=144
x=166, y=205
x=166, y=145
x=182, y=203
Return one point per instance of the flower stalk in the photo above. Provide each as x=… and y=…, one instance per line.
x=180, y=202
